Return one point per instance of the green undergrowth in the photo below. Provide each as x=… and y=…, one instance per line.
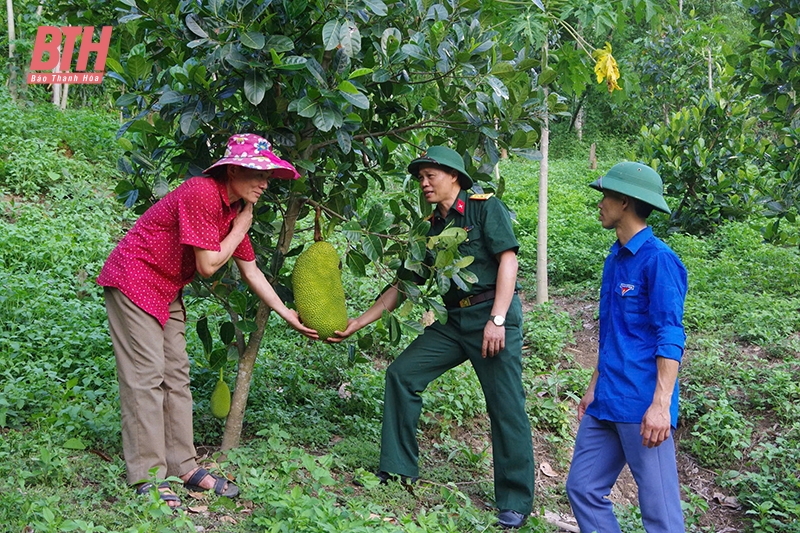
x=312, y=425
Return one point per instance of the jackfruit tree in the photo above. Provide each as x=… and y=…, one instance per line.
x=347, y=91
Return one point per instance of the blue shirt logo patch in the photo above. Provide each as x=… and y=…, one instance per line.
x=625, y=288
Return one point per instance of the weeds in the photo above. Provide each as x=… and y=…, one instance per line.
x=313, y=417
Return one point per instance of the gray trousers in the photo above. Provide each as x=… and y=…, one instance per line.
x=155, y=400
x=601, y=450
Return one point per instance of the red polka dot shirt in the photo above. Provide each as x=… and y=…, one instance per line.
x=155, y=260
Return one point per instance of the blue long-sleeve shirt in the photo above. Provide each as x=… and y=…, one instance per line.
x=641, y=318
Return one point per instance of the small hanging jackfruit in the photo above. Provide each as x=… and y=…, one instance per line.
x=318, y=291
x=221, y=399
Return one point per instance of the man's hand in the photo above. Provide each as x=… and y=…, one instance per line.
x=655, y=425
x=656, y=421
x=587, y=399
x=352, y=327
x=494, y=339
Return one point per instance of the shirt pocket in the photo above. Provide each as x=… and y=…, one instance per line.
x=473, y=242
x=631, y=297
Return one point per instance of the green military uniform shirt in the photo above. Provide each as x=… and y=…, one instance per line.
x=488, y=225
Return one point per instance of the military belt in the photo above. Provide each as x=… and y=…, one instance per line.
x=472, y=300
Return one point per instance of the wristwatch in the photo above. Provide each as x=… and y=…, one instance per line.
x=498, y=320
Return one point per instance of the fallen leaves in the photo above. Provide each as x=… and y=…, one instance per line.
x=547, y=470
x=726, y=501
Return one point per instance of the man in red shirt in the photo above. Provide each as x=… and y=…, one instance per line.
x=196, y=228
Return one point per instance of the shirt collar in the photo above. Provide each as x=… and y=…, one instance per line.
x=222, y=187
x=635, y=242
x=458, y=207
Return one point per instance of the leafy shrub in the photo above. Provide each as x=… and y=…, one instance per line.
x=546, y=332
x=739, y=284
x=721, y=435
x=706, y=157
x=770, y=490
x=73, y=146
x=88, y=132
x=552, y=399
x=773, y=388
x=705, y=371
x=454, y=396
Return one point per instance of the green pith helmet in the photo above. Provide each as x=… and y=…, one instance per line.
x=443, y=156
x=636, y=180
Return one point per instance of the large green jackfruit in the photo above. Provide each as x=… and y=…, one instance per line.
x=318, y=291
x=221, y=400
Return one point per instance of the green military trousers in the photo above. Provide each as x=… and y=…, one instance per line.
x=445, y=346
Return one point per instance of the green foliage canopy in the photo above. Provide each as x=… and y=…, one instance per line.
x=346, y=91
x=771, y=68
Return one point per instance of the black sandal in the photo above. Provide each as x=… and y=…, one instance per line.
x=193, y=484
x=144, y=488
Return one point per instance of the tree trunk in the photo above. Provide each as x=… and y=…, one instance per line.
x=579, y=123
x=12, y=74
x=541, y=240
x=11, y=32
x=247, y=358
x=57, y=86
x=501, y=183
x=64, y=95
x=244, y=374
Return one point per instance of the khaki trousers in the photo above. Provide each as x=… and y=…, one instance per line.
x=153, y=374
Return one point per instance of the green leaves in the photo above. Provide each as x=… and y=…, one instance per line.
x=342, y=34
x=705, y=145
x=254, y=40
x=193, y=23
x=343, y=97
x=256, y=84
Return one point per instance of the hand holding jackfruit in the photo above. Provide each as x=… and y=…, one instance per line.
x=221, y=400
x=318, y=291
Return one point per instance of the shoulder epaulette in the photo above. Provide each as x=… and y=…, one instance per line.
x=483, y=196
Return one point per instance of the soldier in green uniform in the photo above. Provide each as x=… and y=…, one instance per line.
x=484, y=326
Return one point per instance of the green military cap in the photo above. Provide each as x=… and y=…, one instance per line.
x=636, y=180
x=445, y=157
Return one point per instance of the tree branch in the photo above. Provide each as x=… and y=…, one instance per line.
x=314, y=147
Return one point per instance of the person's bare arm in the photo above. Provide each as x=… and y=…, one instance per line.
x=656, y=423
x=256, y=280
x=208, y=261
x=386, y=302
x=494, y=337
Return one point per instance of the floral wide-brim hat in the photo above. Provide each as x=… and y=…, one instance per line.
x=251, y=151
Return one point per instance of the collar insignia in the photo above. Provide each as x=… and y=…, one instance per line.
x=460, y=206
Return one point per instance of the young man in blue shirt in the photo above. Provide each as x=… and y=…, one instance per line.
x=630, y=408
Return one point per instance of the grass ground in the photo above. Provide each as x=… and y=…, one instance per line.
x=313, y=418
